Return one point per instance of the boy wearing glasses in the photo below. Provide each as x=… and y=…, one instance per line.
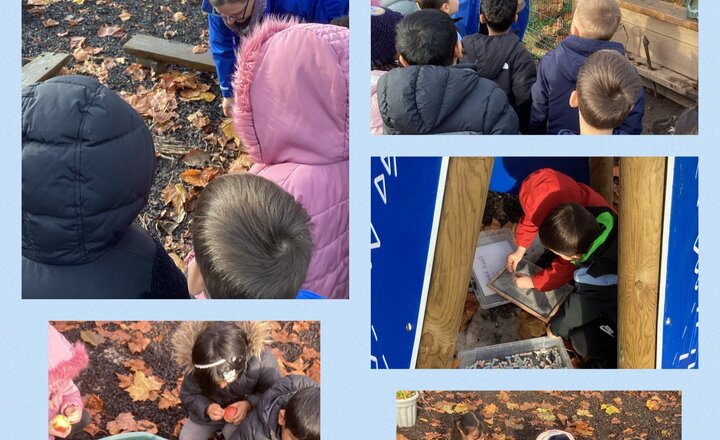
x=231, y=20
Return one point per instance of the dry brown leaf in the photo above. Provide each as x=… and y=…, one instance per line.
x=124, y=380
x=583, y=428
x=93, y=404
x=198, y=120
x=91, y=337
x=141, y=326
x=178, y=427
x=125, y=16
x=179, y=16
x=63, y=326
x=63, y=33
x=137, y=365
x=138, y=343
x=196, y=157
x=201, y=177
x=489, y=410
x=169, y=399
x=135, y=71
x=144, y=387
x=111, y=31
x=120, y=336
x=200, y=48
x=50, y=23
x=147, y=426
x=123, y=423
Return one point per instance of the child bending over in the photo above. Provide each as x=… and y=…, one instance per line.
x=468, y=427
x=65, y=362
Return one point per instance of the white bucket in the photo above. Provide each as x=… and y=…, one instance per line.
x=406, y=411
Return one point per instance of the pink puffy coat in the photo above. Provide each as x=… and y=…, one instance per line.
x=291, y=112
x=65, y=362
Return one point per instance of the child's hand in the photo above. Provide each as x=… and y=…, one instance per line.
x=514, y=258
x=57, y=432
x=73, y=413
x=195, y=280
x=215, y=412
x=227, y=105
x=243, y=408
x=523, y=282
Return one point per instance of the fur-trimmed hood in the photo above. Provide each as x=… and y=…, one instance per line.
x=65, y=360
x=183, y=340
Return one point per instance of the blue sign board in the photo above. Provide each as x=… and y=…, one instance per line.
x=406, y=198
x=509, y=172
x=680, y=316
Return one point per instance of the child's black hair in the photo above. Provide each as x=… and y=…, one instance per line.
x=569, y=229
x=431, y=4
x=467, y=424
x=220, y=341
x=427, y=37
x=302, y=414
x=499, y=14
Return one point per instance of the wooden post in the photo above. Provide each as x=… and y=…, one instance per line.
x=601, y=176
x=642, y=193
x=468, y=180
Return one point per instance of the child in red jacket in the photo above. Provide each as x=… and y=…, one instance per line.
x=540, y=193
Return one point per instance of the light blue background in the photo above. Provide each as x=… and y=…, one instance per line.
x=359, y=403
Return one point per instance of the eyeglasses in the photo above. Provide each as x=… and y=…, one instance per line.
x=233, y=17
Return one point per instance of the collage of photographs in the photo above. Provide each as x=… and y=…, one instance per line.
x=199, y=150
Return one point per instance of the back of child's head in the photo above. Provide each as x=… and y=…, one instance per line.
x=252, y=239
x=382, y=37
x=468, y=427
x=569, y=229
x=427, y=37
x=687, y=122
x=302, y=414
x=499, y=14
x=597, y=19
x=431, y=4
x=555, y=434
x=607, y=88
x=219, y=355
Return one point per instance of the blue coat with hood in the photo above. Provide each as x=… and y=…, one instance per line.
x=88, y=161
x=224, y=42
x=556, y=79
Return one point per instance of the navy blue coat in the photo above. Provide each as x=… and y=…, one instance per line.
x=556, y=79
x=88, y=161
x=224, y=42
x=436, y=99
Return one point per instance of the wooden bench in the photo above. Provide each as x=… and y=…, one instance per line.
x=156, y=53
x=43, y=66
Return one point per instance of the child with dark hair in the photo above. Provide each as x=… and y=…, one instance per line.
x=251, y=238
x=593, y=25
x=501, y=57
x=383, y=56
x=449, y=7
x=587, y=237
x=687, y=122
x=288, y=410
x=468, y=427
x=555, y=434
x=540, y=193
x=227, y=368
x=429, y=95
x=607, y=88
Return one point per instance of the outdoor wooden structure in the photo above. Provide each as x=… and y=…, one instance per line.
x=44, y=66
x=156, y=53
x=468, y=181
x=639, y=257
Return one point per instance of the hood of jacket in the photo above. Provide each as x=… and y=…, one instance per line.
x=65, y=360
x=88, y=161
x=572, y=52
x=183, y=340
x=436, y=99
x=291, y=93
x=489, y=54
x=275, y=399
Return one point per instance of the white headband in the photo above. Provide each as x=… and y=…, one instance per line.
x=214, y=364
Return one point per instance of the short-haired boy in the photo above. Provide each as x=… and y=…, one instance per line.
x=594, y=23
x=449, y=7
x=429, y=95
x=587, y=237
x=251, y=239
x=501, y=57
x=540, y=193
x=607, y=88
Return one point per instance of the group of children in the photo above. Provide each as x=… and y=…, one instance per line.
x=232, y=383
x=470, y=426
x=426, y=80
x=280, y=231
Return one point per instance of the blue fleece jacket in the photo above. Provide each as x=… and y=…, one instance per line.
x=556, y=78
x=224, y=42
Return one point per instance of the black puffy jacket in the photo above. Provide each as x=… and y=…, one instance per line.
x=262, y=422
x=88, y=161
x=436, y=99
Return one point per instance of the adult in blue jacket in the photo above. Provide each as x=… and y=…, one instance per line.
x=231, y=20
x=469, y=15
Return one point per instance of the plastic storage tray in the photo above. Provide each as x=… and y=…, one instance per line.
x=485, y=268
x=468, y=358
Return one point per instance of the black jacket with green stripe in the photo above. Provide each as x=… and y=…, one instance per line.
x=596, y=274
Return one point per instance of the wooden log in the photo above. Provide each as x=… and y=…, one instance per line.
x=468, y=180
x=147, y=47
x=601, y=176
x=44, y=66
x=670, y=45
x=642, y=193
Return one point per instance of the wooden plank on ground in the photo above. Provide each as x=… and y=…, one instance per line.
x=642, y=195
x=669, y=45
x=668, y=80
x=43, y=66
x=147, y=47
x=661, y=10
x=468, y=180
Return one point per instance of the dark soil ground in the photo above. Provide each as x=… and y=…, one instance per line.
x=522, y=415
x=292, y=341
